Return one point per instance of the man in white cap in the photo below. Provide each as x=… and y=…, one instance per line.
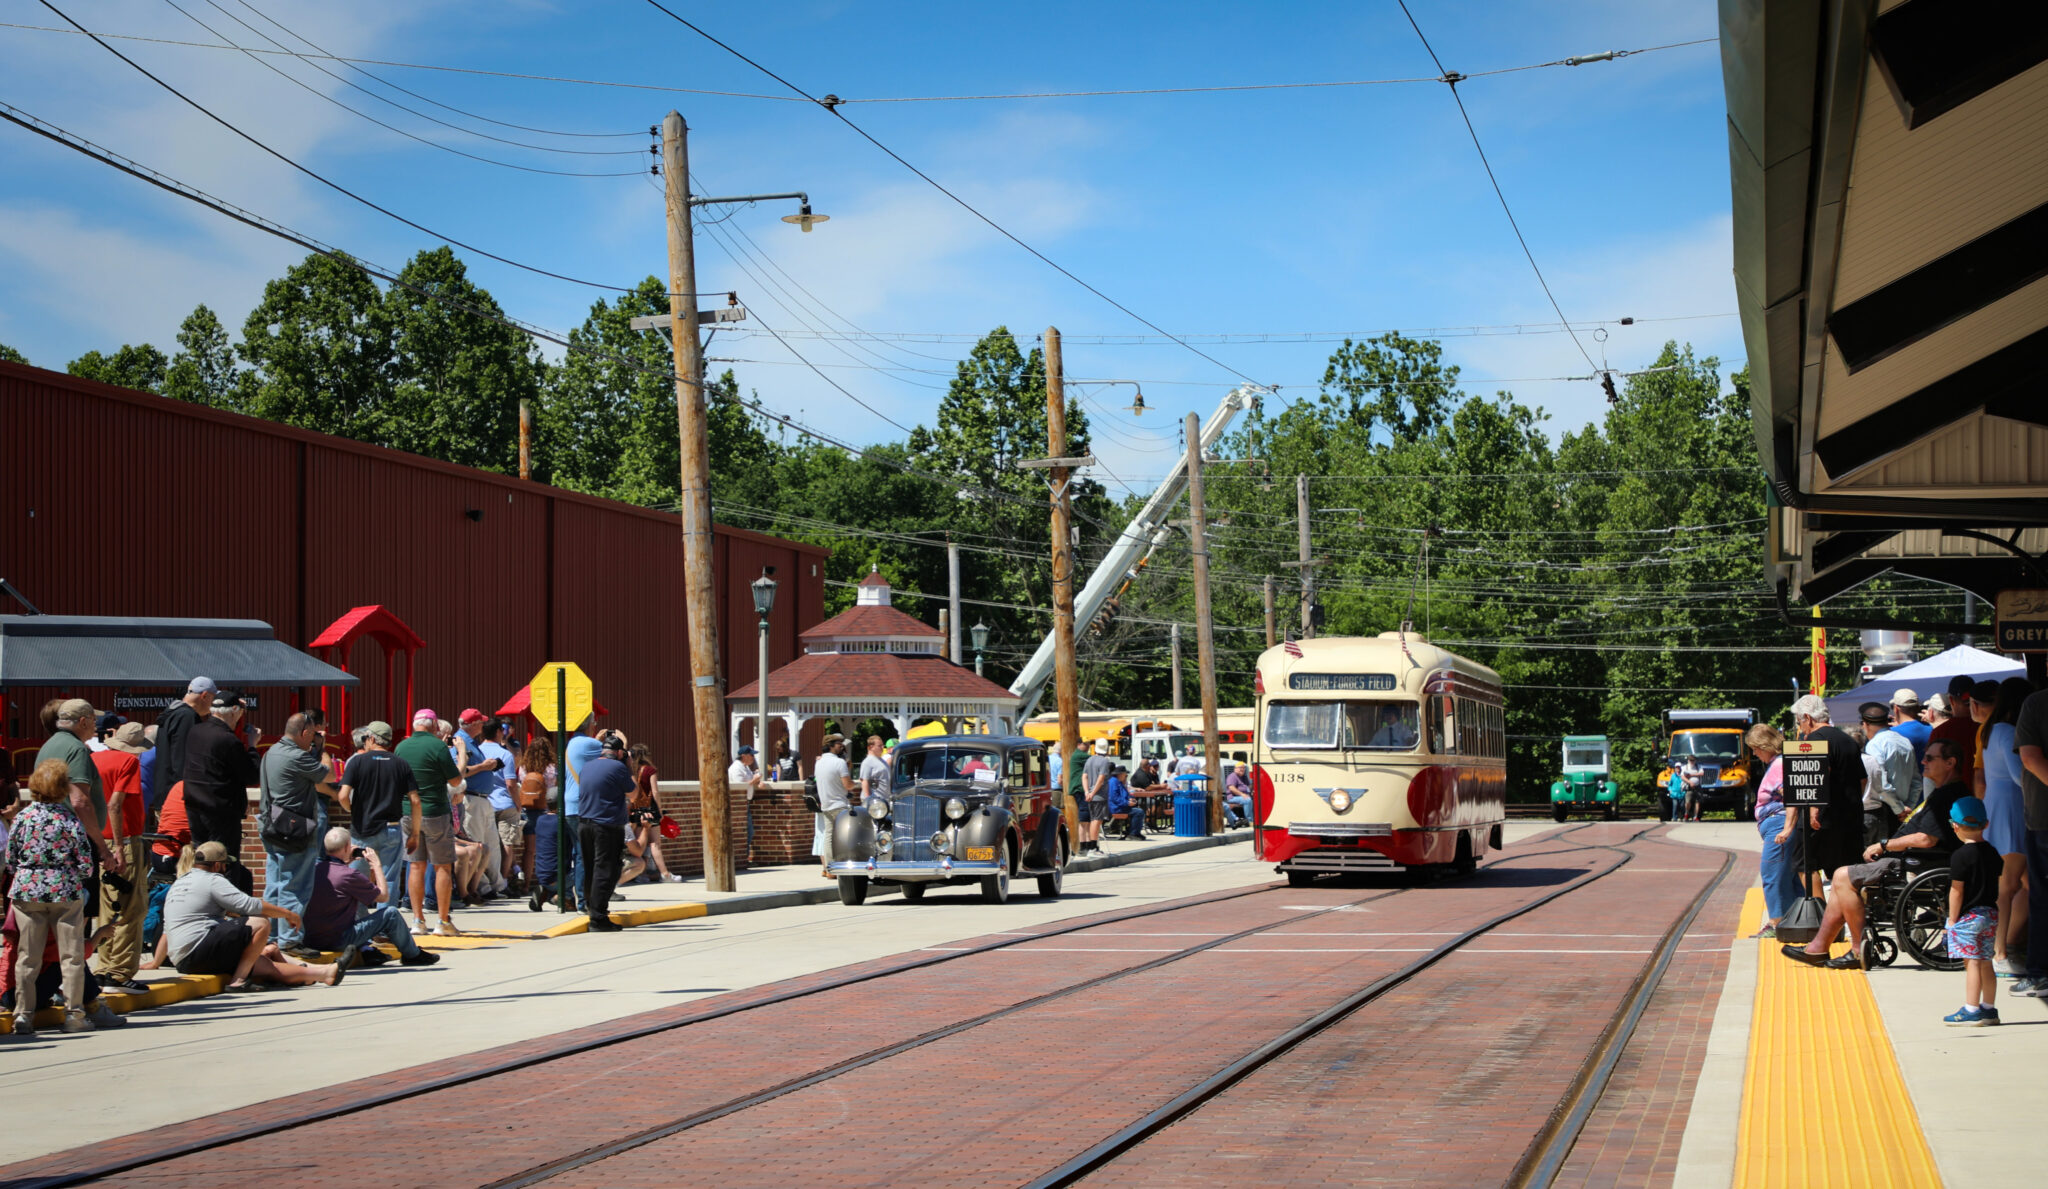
x=1838, y=824
x=1095, y=796
x=174, y=728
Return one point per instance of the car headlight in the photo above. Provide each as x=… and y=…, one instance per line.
x=884, y=839
x=877, y=808
x=1340, y=800
x=942, y=842
x=956, y=808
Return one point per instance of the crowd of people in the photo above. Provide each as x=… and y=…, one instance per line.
x=1959, y=781
x=124, y=852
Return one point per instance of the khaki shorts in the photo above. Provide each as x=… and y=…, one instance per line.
x=510, y=828
x=437, y=838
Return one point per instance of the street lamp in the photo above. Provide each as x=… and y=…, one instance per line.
x=979, y=633
x=764, y=602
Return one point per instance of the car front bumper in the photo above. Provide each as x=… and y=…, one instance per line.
x=906, y=871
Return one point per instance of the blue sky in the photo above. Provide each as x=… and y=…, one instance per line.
x=1339, y=209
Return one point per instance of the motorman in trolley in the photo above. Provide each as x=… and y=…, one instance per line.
x=1377, y=754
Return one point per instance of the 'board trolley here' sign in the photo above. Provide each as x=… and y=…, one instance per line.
x=1806, y=772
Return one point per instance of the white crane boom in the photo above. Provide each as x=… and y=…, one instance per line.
x=1148, y=526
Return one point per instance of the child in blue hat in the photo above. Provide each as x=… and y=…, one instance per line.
x=1973, y=913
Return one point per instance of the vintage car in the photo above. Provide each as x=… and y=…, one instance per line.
x=962, y=809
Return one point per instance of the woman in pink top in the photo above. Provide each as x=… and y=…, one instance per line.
x=1781, y=861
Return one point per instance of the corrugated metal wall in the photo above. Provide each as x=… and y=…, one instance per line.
x=121, y=503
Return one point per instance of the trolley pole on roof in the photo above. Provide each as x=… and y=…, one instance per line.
x=1066, y=688
x=1205, y=633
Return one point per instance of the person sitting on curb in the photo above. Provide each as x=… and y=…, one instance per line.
x=1928, y=834
x=348, y=909
x=205, y=932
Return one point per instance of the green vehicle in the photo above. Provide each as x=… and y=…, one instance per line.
x=1585, y=785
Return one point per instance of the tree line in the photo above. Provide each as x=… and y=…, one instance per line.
x=1607, y=571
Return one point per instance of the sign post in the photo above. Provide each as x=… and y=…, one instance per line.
x=558, y=695
x=1805, y=788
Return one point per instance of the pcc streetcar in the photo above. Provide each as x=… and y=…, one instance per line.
x=1376, y=754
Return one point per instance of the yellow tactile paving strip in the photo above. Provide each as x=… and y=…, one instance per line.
x=1823, y=1102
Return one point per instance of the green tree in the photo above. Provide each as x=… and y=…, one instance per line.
x=138, y=367
x=320, y=344
x=11, y=355
x=203, y=371
x=609, y=396
x=456, y=375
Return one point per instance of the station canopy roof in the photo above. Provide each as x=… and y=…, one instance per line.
x=1891, y=269
x=92, y=650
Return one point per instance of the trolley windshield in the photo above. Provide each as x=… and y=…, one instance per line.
x=1347, y=726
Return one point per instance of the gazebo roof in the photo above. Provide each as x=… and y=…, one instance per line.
x=870, y=620
x=875, y=675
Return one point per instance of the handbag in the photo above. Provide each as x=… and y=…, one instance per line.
x=289, y=830
x=670, y=827
x=1801, y=922
x=811, y=795
x=533, y=792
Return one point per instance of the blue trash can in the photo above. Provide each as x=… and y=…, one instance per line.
x=1191, y=806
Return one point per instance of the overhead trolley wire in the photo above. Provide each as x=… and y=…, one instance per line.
x=1005, y=232
x=432, y=144
x=595, y=82
x=337, y=187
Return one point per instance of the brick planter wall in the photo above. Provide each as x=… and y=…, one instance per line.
x=685, y=852
x=782, y=826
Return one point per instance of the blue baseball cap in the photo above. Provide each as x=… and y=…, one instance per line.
x=1968, y=811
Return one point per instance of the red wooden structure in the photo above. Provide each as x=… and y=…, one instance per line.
x=379, y=624
x=520, y=704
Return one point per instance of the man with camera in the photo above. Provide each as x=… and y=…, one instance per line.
x=350, y=909
x=607, y=784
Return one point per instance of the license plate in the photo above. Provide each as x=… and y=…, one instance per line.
x=981, y=854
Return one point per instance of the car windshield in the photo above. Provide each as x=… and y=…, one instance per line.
x=977, y=764
x=1707, y=749
x=1348, y=725
x=1585, y=757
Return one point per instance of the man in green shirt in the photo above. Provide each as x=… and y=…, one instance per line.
x=75, y=722
x=429, y=830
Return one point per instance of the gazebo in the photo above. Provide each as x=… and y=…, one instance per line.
x=873, y=661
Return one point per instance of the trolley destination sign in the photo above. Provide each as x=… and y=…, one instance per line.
x=1806, y=772
x=1346, y=682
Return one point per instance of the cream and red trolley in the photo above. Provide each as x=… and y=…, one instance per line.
x=1376, y=754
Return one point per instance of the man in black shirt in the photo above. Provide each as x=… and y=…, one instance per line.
x=376, y=787
x=173, y=733
x=606, y=783
x=1928, y=834
x=220, y=768
x=1838, y=826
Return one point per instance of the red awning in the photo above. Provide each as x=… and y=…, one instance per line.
x=520, y=701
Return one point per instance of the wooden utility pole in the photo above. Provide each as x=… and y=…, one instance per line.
x=1176, y=668
x=699, y=590
x=1205, y=631
x=525, y=439
x=1272, y=627
x=1308, y=572
x=1066, y=688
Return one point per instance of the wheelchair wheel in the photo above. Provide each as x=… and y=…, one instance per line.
x=1920, y=920
x=1880, y=950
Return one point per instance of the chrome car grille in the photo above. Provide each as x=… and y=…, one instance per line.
x=1340, y=829
x=916, y=818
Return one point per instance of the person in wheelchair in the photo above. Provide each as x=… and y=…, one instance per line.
x=1927, y=836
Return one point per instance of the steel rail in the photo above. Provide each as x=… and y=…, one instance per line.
x=1187, y=1102
x=1547, y=1152
x=520, y=1064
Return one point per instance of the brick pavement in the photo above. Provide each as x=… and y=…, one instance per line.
x=1222, y=1002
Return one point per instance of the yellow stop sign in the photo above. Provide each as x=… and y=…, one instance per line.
x=560, y=696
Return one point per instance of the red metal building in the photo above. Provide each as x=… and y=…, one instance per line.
x=115, y=502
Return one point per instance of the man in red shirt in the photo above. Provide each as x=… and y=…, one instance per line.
x=1960, y=729
x=120, y=769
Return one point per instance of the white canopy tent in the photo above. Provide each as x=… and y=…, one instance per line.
x=1926, y=678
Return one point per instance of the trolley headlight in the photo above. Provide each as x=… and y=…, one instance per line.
x=877, y=808
x=955, y=808
x=1340, y=800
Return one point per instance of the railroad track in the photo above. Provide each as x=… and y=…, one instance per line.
x=1539, y=1163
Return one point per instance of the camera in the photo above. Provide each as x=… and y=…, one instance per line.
x=357, y=853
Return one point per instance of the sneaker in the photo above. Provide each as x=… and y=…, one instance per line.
x=1988, y=1014
x=126, y=986
x=675, y=879
x=1967, y=1017
x=421, y=958
x=370, y=957
x=76, y=1021
x=24, y=1026
x=2033, y=988
x=446, y=928
x=105, y=1017
x=2007, y=968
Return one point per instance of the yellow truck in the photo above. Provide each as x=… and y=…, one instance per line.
x=1727, y=769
